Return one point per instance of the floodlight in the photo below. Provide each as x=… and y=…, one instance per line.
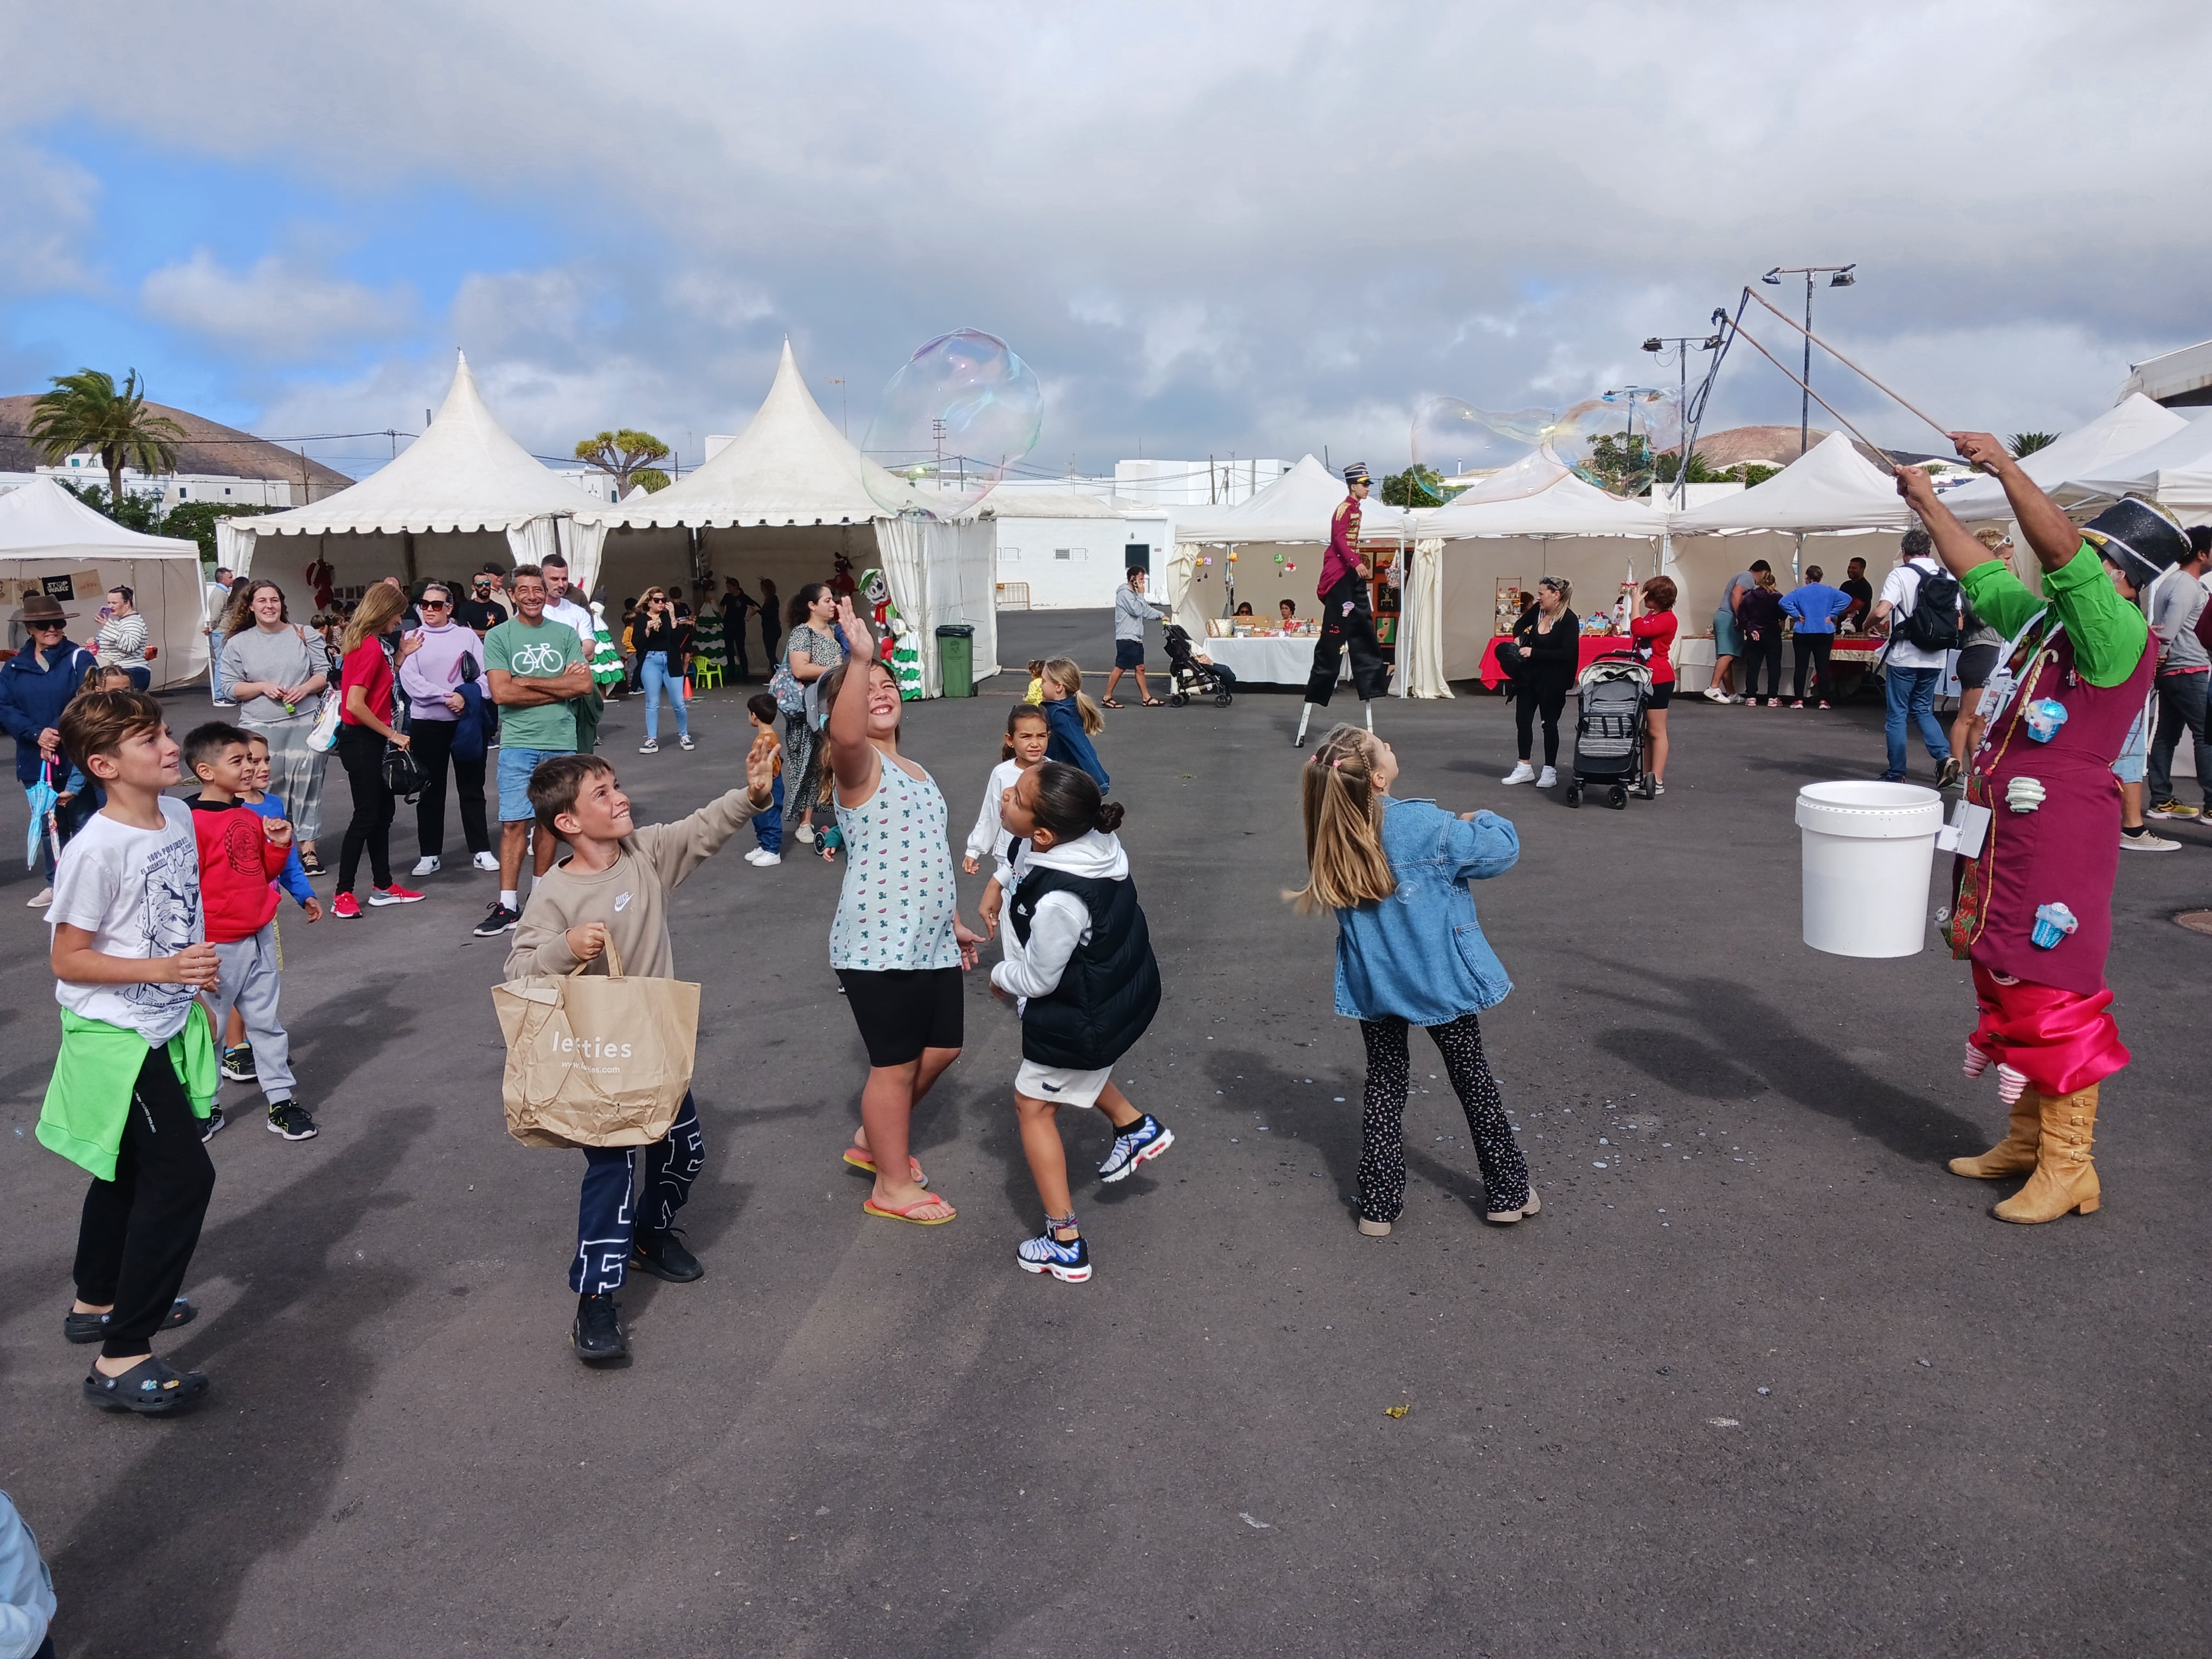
x=1844, y=277
x=1712, y=343
x=1773, y=276
x=1655, y=343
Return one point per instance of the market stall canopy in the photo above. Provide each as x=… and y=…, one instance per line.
x=42, y=520
x=2098, y=448
x=1295, y=509
x=1569, y=506
x=464, y=473
x=2176, y=471
x=791, y=466
x=1049, y=504
x=1830, y=487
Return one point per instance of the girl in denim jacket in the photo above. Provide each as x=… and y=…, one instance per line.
x=1409, y=949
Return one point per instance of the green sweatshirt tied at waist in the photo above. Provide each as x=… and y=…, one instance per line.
x=95, y=1074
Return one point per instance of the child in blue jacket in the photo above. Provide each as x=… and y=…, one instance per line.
x=1409, y=950
x=1072, y=718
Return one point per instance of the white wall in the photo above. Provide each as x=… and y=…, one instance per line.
x=1075, y=564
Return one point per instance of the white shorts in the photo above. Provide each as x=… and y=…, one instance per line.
x=1060, y=1085
x=2134, y=753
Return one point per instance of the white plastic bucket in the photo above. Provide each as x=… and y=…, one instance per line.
x=1868, y=850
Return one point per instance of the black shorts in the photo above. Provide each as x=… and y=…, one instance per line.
x=1976, y=664
x=903, y=1010
x=1660, y=695
x=1128, y=653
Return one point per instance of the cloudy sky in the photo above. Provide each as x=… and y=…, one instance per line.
x=1259, y=230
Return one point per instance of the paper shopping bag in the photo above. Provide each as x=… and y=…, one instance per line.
x=596, y=1059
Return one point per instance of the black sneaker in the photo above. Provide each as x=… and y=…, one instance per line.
x=500, y=920
x=238, y=1063
x=664, y=1256
x=1146, y=1138
x=599, y=1333
x=149, y=1387
x=290, y=1119
x=93, y=1327
x=212, y=1125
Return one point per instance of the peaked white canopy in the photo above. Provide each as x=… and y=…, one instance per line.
x=1568, y=506
x=1830, y=487
x=791, y=466
x=2175, y=472
x=464, y=473
x=42, y=520
x=1295, y=509
x=2093, y=449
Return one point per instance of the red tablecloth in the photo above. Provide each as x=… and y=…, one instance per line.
x=1589, y=648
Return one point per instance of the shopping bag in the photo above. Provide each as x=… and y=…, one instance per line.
x=596, y=1059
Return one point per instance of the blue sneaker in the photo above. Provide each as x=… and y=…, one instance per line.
x=1147, y=1138
x=1069, y=1262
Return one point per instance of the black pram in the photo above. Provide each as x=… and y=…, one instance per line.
x=1188, y=677
x=1609, y=730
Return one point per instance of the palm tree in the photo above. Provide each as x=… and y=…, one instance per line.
x=85, y=411
x=2027, y=443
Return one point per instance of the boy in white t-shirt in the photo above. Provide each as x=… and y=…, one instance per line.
x=136, y=1076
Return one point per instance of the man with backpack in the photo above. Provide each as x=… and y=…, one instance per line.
x=1920, y=602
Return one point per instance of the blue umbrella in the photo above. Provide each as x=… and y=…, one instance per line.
x=44, y=801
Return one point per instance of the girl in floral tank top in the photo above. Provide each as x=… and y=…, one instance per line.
x=897, y=944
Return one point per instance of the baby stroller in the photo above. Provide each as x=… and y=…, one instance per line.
x=1609, y=731
x=1186, y=675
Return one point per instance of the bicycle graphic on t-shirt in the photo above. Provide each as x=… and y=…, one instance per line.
x=540, y=661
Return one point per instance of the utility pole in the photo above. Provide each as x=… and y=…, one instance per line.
x=1682, y=344
x=1839, y=276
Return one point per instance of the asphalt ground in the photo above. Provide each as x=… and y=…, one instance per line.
x=1801, y=1397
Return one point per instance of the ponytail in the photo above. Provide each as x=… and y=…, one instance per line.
x=1068, y=804
x=1344, y=863
x=1063, y=672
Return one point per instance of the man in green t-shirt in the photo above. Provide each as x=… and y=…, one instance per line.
x=535, y=666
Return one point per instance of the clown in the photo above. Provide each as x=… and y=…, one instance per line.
x=900, y=648
x=2038, y=843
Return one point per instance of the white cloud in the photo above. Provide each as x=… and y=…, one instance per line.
x=49, y=208
x=275, y=308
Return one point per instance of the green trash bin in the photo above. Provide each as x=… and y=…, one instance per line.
x=956, y=659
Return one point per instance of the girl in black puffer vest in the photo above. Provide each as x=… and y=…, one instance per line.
x=1079, y=967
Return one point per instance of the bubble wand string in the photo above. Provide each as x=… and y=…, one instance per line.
x=1851, y=366
x=1741, y=333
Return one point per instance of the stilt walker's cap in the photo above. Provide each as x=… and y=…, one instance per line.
x=1356, y=473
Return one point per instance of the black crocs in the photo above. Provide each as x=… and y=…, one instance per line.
x=93, y=1327
x=151, y=1387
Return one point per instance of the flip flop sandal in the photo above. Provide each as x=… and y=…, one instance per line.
x=908, y=1213
x=913, y=1164
x=1112, y=703
x=1154, y=702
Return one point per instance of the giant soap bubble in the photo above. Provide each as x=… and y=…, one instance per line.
x=963, y=410
x=1612, y=440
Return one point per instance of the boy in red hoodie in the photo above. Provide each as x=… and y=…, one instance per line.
x=241, y=854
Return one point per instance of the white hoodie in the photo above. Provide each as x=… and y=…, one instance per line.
x=989, y=836
x=1062, y=922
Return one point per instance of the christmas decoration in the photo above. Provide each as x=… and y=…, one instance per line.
x=899, y=645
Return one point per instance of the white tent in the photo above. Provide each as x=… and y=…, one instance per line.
x=788, y=498
x=1832, y=487
x=2175, y=472
x=463, y=481
x=1293, y=513
x=51, y=543
x=2098, y=448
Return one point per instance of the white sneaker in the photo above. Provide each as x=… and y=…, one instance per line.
x=684, y=742
x=1521, y=773
x=1548, y=778
x=428, y=864
x=487, y=862
x=650, y=746
x=1714, y=694
x=2147, y=842
x=44, y=897
x=805, y=833
x=767, y=858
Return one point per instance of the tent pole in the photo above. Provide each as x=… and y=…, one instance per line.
x=407, y=555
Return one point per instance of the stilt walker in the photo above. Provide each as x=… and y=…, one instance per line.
x=2039, y=831
x=1347, y=615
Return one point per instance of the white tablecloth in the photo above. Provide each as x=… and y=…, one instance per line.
x=1269, y=662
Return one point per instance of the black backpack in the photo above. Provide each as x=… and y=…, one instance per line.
x=1934, y=623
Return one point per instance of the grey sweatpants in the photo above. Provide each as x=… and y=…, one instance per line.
x=248, y=981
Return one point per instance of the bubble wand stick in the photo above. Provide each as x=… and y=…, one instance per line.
x=1851, y=366
x=1739, y=332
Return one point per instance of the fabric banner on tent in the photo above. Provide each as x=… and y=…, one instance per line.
x=1180, y=588
x=943, y=574
x=1422, y=667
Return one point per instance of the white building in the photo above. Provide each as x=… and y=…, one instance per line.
x=170, y=488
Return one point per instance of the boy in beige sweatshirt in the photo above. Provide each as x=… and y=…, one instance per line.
x=613, y=888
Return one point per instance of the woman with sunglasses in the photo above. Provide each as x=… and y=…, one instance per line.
x=278, y=671
x=448, y=659
x=36, y=685
x=664, y=644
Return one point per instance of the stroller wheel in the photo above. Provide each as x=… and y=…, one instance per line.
x=1574, y=794
x=1177, y=699
x=1646, y=789
x=1619, y=799
x=1221, y=699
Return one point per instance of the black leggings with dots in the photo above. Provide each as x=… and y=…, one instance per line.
x=1380, y=1190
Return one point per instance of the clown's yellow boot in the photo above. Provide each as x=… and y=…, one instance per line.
x=2064, y=1179
x=2016, y=1154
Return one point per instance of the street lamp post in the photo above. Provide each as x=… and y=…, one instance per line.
x=1839, y=276
x=1682, y=343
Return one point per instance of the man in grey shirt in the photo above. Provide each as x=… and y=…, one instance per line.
x=2185, y=672
x=1132, y=611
